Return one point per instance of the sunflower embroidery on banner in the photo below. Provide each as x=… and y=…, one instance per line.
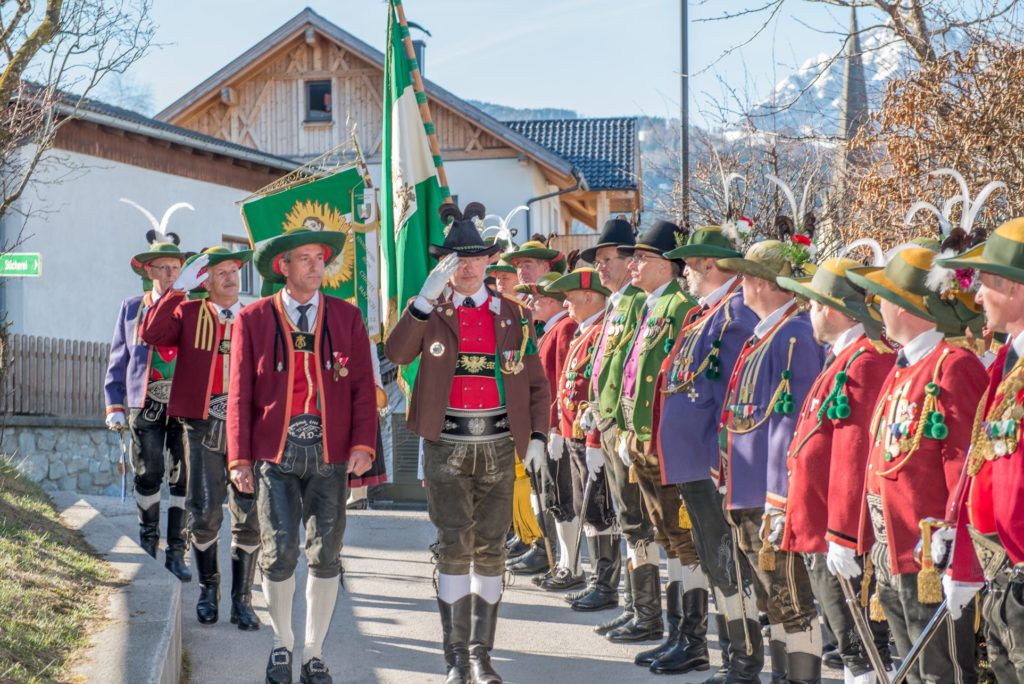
x=314, y=215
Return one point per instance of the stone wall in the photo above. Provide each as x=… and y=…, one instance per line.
x=63, y=454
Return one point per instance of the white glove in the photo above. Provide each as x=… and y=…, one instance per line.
x=942, y=544
x=590, y=418
x=536, y=452
x=556, y=445
x=433, y=286
x=842, y=561
x=776, y=518
x=189, y=278
x=624, y=455
x=116, y=421
x=595, y=462
x=958, y=594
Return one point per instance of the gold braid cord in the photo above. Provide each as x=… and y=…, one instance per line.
x=981, y=445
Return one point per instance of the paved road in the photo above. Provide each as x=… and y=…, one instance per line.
x=386, y=627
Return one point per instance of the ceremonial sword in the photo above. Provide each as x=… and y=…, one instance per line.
x=543, y=523
x=918, y=648
x=122, y=465
x=587, y=491
x=867, y=638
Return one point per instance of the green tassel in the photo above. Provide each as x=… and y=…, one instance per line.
x=531, y=347
x=842, y=411
x=787, y=374
x=668, y=344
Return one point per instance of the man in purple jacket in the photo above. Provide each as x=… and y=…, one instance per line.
x=137, y=389
x=771, y=378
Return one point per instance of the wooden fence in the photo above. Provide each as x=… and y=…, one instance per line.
x=47, y=376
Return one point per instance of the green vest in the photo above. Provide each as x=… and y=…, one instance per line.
x=620, y=326
x=670, y=309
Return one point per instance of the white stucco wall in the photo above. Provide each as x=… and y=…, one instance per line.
x=87, y=237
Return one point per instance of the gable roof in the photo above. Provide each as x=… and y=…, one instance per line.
x=307, y=18
x=604, y=150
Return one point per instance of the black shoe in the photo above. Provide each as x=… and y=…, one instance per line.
x=832, y=659
x=535, y=561
x=562, y=580
x=646, y=624
x=600, y=598
x=243, y=570
x=209, y=584
x=279, y=667
x=315, y=672
x=574, y=596
x=174, y=561
x=690, y=650
x=614, y=623
x=513, y=558
x=360, y=505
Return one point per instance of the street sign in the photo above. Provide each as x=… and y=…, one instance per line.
x=21, y=264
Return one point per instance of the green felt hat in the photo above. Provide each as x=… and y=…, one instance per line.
x=830, y=286
x=1002, y=254
x=157, y=250
x=540, y=288
x=580, y=279
x=706, y=242
x=268, y=254
x=901, y=281
x=501, y=267
x=767, y=260
x=220, y=254
x=537, y=250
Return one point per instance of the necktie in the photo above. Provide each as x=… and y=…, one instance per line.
x=227, y=315
x=468, y=301
x=901, y=360
x=303, y=319
x=829, y=359
x=1011, y=360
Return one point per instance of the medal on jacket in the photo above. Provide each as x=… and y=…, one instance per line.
x=340, y=366
x=513, y=364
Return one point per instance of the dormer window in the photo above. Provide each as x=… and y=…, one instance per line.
x=318, y=101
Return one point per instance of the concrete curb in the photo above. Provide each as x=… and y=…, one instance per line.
x=141, y=642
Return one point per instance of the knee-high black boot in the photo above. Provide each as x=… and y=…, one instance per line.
x=209, y=584
x=243, y=570
x=481, y=641
x=690, y=650
x=605, y=558
x=647, y=624
x=174, y=557
x=455, y=629
x=628, y=607
x=674, y=613
x=149, y=527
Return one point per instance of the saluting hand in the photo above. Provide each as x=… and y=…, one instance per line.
x=192, y=276
x=433, y=286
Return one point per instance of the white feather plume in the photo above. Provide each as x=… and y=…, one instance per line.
x=926, y=206
x=941, y=279
x=788, y=192
x=798, y=218
x=876, y=250
x=502, y=230
x=891, y=254
x=964, y=189
x=154, y=224
x=170, y=210
x=725, y=186
x=978, y=202
x=159, y=227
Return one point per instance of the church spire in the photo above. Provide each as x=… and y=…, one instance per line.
x=853, y=107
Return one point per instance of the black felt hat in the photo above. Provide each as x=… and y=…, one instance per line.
x=616, y=233
x=463, y=236
x=662, y=237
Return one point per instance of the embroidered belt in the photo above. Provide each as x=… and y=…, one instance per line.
x=305, y=430
x=159, y=391
x=474, y=364
x=990, y=552
x=475, y=426
x=627, y=405
x=877, y=517
x=219, y=406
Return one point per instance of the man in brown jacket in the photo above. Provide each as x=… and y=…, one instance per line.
x=480, y=397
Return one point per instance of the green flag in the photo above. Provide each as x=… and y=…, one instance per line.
x=332, y=203
x=410, y=188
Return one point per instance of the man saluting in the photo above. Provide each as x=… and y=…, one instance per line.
x=302, y=415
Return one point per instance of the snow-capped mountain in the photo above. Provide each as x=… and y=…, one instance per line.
x=808, y=100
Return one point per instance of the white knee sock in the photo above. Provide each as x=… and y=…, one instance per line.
x=645, y=554
x=204, y=545
x=567, y=552
x=675, y=570
x=248, y=548
x=808, y=641
x=486, y=587
x=321, y=594
x=280, y=596
x=693, y=577
x=450, y=588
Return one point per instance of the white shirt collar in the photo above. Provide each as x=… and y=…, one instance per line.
x=479, y=297
x=550, y=323
x=234, y=308
x=292, y=307
x=921, y=346
x=846, y=338
x=652, y=298
x=717, y=294
x=1018, y=344
x=587, y=322
x=769, y=321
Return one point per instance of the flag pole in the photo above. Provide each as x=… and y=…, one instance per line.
x=421, y=99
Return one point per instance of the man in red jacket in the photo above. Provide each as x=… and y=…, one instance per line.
x=301, y=416
x=201, y=330
x=828, y=454
x=989, y=534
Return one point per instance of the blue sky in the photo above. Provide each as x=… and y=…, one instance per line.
x=599, y=57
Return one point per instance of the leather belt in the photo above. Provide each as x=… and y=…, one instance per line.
x=874, y=502
x=305, y=430
x=462, y=425
x=159, y=391
x=219, y=406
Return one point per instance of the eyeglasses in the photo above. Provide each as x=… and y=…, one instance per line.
x=638, y=258
x=161, y=269
x=607, y=260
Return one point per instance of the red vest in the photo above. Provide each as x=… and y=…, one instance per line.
x=552, y=350
x=475, y=385
x=574, y=381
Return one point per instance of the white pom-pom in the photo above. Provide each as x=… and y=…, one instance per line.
x=941, y=280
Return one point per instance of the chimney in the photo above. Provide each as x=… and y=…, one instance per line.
x=419, y=48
